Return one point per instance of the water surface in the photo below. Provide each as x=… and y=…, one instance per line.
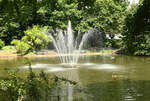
x=105, y=78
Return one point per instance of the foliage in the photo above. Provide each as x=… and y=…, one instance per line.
x=105, y=15
x=36, y=87
x=137, y=30
x=16, y=16
x=2, y=44
x=21, y=47
x=36, y=37
x=9, y=48
x=109, y=15
x=113, y=43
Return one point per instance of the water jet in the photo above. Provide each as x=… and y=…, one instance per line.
x=67, y=45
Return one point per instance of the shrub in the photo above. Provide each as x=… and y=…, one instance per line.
x=33, y=88
x=21, y=46
x=2, y=44
x=36, y=37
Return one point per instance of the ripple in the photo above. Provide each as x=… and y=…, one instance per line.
x=105, y=67
x=36, y=66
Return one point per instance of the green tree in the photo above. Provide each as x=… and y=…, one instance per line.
x=107, y=16
x=2, y=44
x=16, y=16
x=136, y=39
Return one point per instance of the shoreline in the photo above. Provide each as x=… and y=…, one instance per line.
x=12, y=55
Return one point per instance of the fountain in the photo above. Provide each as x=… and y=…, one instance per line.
x=67, y=46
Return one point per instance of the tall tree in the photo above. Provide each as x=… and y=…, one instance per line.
x=137, y=30
x=16, y=16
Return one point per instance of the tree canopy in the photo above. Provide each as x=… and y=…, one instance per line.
x=17, y=16
x=137, y=30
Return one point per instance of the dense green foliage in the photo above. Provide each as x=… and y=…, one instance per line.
x=34, y=88
x=2, y=44
x=34, y=39
x=106, y=16
x=113, y=43
x=21, y=47
x=136, y=39
x=16, y=16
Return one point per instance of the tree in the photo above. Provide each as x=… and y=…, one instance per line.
x=16, y=16
x=137, y=30
x=106, y=16
x=2, y=44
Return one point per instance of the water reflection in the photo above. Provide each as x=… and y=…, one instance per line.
x=123, y=78
x=119, y=91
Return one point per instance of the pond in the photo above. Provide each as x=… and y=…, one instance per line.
x=105, y=78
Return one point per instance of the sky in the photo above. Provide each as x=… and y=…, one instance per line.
x=133, y=1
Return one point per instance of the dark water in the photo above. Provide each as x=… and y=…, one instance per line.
x=105, y=78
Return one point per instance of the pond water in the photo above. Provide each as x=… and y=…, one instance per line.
x=105, y=78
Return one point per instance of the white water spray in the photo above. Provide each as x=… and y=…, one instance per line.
x=67, y=46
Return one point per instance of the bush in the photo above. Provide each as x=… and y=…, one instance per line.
x=2, y=44
x=33, y=88
x=36, y=37
x=21, y=47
